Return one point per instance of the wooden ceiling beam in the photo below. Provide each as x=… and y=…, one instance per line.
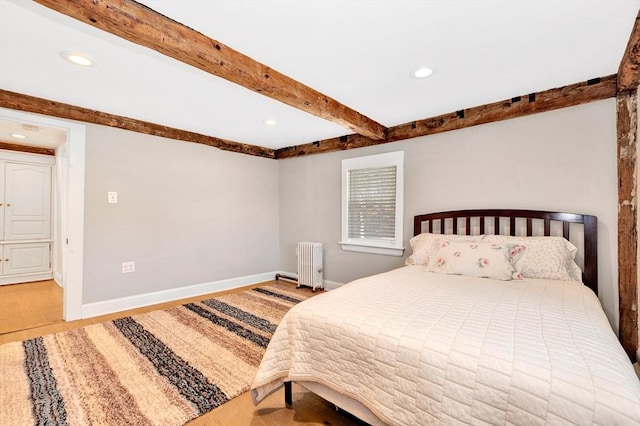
x=21, y=102
x=26, y=148
x=141, y=25
x=629, y=70
x=548, y=100
x=519, y=106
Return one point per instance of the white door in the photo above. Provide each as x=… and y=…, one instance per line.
x=26, y=258
x=27, y=202
x=2, y=186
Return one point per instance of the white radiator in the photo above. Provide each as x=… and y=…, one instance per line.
x=310, y=265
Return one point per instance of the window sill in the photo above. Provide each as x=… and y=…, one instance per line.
x=387, y=251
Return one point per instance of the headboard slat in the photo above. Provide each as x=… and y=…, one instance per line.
x=590, y=224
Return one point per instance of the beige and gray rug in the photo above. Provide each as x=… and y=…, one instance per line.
x=164, y=367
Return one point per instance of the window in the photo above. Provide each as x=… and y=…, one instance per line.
x=372, y=190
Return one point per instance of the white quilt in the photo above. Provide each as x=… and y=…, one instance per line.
x=419, y=348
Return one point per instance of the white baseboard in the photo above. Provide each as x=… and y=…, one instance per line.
x=332, y=285
x=131, y=302
x=25, y=278
x=328, y=285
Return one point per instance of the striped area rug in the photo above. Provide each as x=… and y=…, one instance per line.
x=164, y=367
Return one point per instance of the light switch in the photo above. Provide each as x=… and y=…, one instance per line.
x=112, y=197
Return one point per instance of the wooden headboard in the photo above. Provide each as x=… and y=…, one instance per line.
x=508, y=222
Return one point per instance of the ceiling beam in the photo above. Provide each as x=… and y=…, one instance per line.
x=629, y=70
x=548, y=100
x=519, y=106
x=21, y=102
x=26, y=148
x=141, y=25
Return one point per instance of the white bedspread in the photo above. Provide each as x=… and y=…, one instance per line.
x=419, y=348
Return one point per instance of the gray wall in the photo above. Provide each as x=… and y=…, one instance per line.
x=563, y=160
x=186, y=214
x=189, y=214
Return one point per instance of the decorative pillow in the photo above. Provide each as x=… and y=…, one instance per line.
x=422, y=245
x=475, y=259
x=546, y=257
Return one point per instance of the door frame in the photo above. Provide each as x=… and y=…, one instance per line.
x=70, y=156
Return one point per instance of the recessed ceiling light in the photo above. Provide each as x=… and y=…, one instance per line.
x=270, y=122
x=422, y=72
x=77, y=58
x=18, y=136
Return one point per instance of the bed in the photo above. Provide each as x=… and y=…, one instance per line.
x=494, y=319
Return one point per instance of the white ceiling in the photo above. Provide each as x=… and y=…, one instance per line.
x=36, y=135
x=358, y=52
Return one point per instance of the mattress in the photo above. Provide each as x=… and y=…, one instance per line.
x=416, y=347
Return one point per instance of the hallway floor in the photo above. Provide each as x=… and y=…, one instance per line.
x=29, y=305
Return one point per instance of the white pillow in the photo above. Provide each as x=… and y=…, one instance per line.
x=422, y=245
x=545, y=257
x=475, y=259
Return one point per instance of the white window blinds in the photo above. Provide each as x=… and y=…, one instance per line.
x=372, y=191
x=372, y=203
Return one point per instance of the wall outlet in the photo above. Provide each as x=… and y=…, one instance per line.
x=112, y=197
x=128, y=267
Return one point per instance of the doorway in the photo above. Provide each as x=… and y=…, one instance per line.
x=68, y=217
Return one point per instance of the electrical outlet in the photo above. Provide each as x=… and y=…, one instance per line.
x=112, y=197
x=128, y=267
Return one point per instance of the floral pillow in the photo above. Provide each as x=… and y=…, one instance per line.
x=476, y=259
x=423, y=245
x=546, y=257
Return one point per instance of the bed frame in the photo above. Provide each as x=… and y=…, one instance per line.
x=491, y=221
x=509, y=222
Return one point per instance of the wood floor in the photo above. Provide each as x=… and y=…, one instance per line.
x=30, y=305
x=35, y=309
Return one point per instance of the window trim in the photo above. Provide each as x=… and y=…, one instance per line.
x=392, y=248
